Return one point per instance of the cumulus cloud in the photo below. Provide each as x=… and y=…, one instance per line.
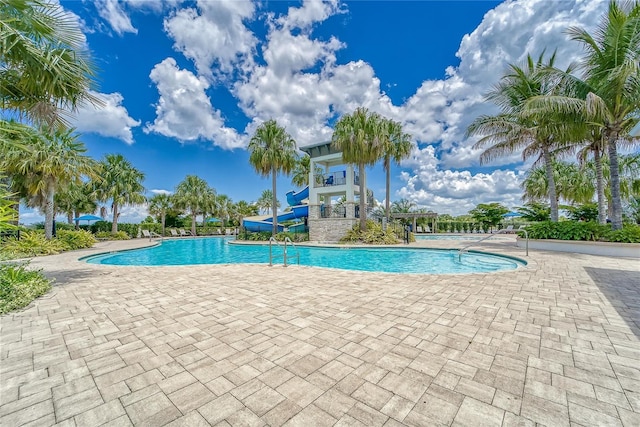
x=184, y=111
x=159, y=191
x=112, y=12
x=214, y=35
x=110, y=119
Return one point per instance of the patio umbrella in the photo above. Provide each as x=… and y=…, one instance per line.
x=88, y=218
x=512, y=215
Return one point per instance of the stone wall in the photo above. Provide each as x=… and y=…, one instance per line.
x=329, y=229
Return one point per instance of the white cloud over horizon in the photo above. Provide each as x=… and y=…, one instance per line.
x=110, y=119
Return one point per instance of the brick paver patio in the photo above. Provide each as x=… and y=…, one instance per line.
x=556, y=343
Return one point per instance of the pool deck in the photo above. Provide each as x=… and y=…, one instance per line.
x=554, y=343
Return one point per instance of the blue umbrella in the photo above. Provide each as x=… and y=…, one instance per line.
x=88, y=218
x=512, y=215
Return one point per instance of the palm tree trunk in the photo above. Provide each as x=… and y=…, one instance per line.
x=76, y=214
x=114, y=224
x=387, y=167
x=614, y=179
x=274, y=202
x=193, y=222
x=602, y=208
x=551, y=184
x=363, y=198
x=48, y=212
x=163, y=218
x=70, y=217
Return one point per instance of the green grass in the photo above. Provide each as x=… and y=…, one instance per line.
x=19, y=286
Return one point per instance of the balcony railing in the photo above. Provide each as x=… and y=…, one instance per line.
x=334, y=178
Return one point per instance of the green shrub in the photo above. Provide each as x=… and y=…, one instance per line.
x=120, y=235
x=19, y=286
x=589, y=231
x=31, y=243
x=629, y=234
x=374, y=235
x=72, y=240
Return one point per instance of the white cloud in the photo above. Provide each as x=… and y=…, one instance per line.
x=157, y=191
x=214, y=35
x=110, y=120
x=184, y=111
x=114, y=14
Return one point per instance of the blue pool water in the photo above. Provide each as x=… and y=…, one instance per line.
x=389, y=260
x=468, y=237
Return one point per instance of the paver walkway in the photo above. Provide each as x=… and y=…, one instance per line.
x=556, y=343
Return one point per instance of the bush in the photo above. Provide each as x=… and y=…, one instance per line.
x=19, y=286
x=590, y=231
x=120, y=235
x=72, y=240
x=374, y=235
x=31, y=243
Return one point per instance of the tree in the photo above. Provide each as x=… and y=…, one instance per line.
x=358, y=135
x=159, y=205
x=513, y=131
x=46, y=71
x=193, y=194
x=49, y=160
x=121, y=183
x=272, y=150
x=224, y=207
x=535, y=211
x=608, y=93
x=396, y=146
x=242, y=209
x=572, y=184
x=488, y=214
x=265, y=202
x=74, y=200
x=302, y=170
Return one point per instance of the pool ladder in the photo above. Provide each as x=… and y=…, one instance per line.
x=273, y=240
x=503, y=231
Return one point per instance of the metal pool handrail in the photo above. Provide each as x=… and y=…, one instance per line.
x=503, y=231
x=286, y=240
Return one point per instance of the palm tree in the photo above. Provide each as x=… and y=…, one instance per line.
x=121, y=183
x=242, y=209
x=193, y=194
x=396, y=146
x=608, y=94
x=512, y=130
x=46, y=71
x=265, y=202
x=53, y=159
x=224, y=206
x=302, y=170
x=572, y=184
x=358, y=135
x=74, y=200
x=272, y=150
x=159, y=205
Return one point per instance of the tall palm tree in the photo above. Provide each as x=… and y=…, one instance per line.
x=608, y=93
x=53, y=159
x=159, y=205
x=396, y=146
x=358, y=135
x=46, y=71
x=272, y=150
x=512, y=131
x=121, y=183
x=224, y=207
x=193, y=194
x=243, y=209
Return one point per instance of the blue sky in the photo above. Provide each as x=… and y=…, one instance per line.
x=187, y=83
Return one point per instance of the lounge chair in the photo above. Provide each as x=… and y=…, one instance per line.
x=184, y=233
x=509, y=229
x=419, y=229
x=427, y=229
x=150, y=234
x=174, y=233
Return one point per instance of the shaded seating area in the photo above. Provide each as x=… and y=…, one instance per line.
x=150, y=234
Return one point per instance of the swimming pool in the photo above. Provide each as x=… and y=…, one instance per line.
x=388, y=260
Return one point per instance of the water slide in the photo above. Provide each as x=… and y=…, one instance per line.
x=265, y=222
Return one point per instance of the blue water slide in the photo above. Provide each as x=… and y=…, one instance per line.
x=266, y=224
x=294, y=199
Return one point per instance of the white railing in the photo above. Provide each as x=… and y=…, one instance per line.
x=284, y=252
